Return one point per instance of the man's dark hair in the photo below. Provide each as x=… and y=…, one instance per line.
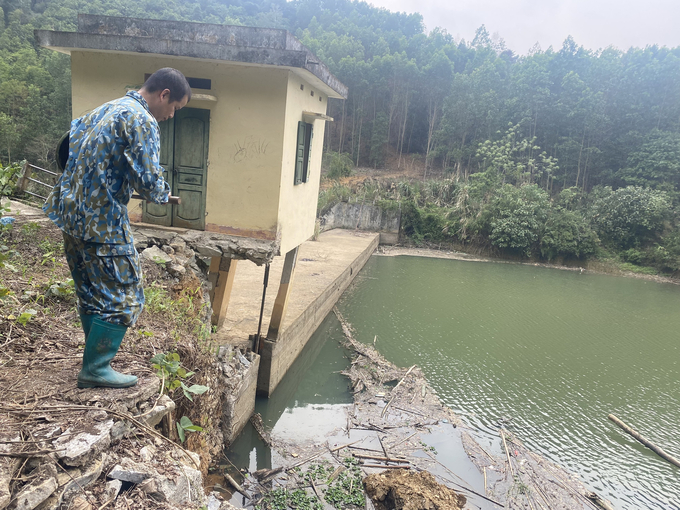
x=171, y=79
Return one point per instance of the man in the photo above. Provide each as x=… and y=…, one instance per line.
x=113, y=150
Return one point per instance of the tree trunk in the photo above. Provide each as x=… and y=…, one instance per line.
x=342, y=127
x=578, y=167
x=403, y=131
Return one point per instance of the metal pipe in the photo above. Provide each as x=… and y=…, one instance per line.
x=38, y=182
x=43, y=170
x=264, y=294
x=34, y=194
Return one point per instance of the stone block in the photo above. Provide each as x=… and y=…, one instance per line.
x=79, y=446
x=185, y=486
x=112, y=489
x=130, y=471
x=165, y=405
x=35, y=493
x=177, y=270
x=157, y=255
x=7, y=467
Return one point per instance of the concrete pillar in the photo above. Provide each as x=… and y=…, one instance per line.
x=222, y=271
x=281, y=303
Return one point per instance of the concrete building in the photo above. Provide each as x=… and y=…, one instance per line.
x=244, y=156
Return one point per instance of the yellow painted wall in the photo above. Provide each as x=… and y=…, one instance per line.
x=247, y=139
x=297, y=206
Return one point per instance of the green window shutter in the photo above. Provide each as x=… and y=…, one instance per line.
x=300, y=155
x=309, y=136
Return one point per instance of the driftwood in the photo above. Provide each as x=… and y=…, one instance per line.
x=599, y=501
x=235, y=484
x=645, y=441
x=266, y=474
x=382, y=466
x=384, y=459
x=506, y=452
x=395, y=389
x=258, y=425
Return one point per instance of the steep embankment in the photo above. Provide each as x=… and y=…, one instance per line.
x=62, y=445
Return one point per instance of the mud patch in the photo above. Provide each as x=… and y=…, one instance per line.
x=403, y=490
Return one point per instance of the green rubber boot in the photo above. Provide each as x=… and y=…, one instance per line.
x=86, y=320
x=101, y=346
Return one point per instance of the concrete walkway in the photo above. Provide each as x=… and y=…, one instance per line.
x=319, y=264
x=324, y=270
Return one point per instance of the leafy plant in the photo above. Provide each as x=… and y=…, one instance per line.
x=62, y=290
x=26, y=316
x=185, y=425
x=169, y=369
x=339, y=164
x=347, y=489
x=4, y=292
x=8, y=178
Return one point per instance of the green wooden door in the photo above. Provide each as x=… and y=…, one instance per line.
x=192, y=127
x=162, y=214
x=184, y=158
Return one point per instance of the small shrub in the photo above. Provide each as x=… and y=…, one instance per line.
x=339, y=165
x=8, y=178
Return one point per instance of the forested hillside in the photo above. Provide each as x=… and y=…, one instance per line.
x=553, y=124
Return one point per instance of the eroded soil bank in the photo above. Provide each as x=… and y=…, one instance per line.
x=64, y=447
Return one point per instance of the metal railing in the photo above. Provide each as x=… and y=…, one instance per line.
x=26, y=178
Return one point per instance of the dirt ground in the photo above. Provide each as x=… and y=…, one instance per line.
x=403, y=490
x=41, y=346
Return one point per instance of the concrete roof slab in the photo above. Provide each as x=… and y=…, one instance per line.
x=246, y=45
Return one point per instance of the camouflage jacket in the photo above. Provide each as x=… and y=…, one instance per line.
x=113, y=150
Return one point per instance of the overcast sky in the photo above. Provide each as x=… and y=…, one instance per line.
x=522, y=23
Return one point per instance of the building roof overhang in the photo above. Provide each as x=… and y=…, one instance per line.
x=180, y=39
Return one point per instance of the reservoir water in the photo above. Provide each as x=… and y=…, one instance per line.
x=547, y=354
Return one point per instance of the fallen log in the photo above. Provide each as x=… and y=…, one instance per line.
x=235, y=485
x=382, y=466
x=384, y=459
x=645, y=441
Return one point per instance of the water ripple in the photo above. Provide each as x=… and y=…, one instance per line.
x=550, y=353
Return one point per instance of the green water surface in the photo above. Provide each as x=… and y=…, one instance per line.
x=546, y=353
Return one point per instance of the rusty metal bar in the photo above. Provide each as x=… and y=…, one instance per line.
x=44, y=170
x=39, y=182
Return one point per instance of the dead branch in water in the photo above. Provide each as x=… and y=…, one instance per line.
x=645, y=441
x=395, y=389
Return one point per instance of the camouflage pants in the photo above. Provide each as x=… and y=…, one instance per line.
x=108, y=279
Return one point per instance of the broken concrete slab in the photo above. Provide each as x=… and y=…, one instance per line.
x=130, y=471
x=157, y=255
x=153, y=417
x=35, y=493
x=126, y=400
x=72, y=481
x=8, y=466
x=80, y=445
x=183, y=487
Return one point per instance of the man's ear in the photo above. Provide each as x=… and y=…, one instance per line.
x=165, y=94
